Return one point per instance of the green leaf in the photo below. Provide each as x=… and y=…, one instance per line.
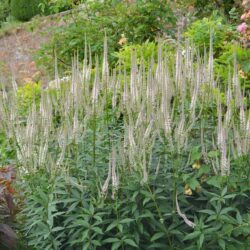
x=226, y=210
x=96, y=243
x=56, y=229
x=97, y=230
x=222, y=244
x=227, y=229
x=146, y=200
x=204, y=170
x=239, y=218
x=224, y=191
x=111, y=226
x=229, y=196
x=213, y=154
x=207, y=211
x=116, y=245
x=126, y=221
x=157, y=236
x=193, y=235
x=193, y=183
x=214, y=181
x=111, y=240
x=195, y=154
x=201, y=240
x=86, y=246
x=131, y=242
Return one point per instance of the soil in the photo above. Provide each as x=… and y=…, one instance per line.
x=18, y=46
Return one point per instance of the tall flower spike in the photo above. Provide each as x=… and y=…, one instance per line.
x=57, y=78
x=105, y=65
x=96, y=87
x=114, y=175
x=104, y=188
x=133, y=75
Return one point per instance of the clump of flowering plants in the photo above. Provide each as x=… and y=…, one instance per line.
x=154, y=137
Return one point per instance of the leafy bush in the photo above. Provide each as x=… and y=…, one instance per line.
x=138, y=22
x=4, y=11
x=199, y=32
x=230, y=55
x=141, y=216
x=146, y=51
x=55, y=6
x=24, y=10
x=204, y=8
x=156, y=158
x=27, y=95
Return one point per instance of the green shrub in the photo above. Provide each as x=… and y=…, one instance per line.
x=137, y=22
x=27, y=95
x=4, y=10
x=63, y=213
x=24, y=10
x=225, y=61
x=200, y=30
x=55, y=6
x=147, y=160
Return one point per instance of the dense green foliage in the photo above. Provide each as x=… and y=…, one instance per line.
x=145, y=141
x=91, y=183
x=137, y=22
x=4, y=10
x=24, y=10
x=199, y=32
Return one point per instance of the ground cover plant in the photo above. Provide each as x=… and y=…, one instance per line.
x=138, y=157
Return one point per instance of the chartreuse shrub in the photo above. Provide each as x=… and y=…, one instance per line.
x=24, y=10
x=146, y=51
x=153, y=158
x=27, y=95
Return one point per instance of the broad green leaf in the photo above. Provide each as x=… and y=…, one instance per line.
x=207, y=211
x=111, y=240
x=193, y=183
x=157, y=236
x=126, y=221
x=97, y=230
x=214, y=181
x=201, y=240
x=56, y=229
x=239, y=218
x=130, y=242
x=116, y=245
x=227, y=229
x=222, y=244
x=213, y=154
x=193, y=235
x=195, y=154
